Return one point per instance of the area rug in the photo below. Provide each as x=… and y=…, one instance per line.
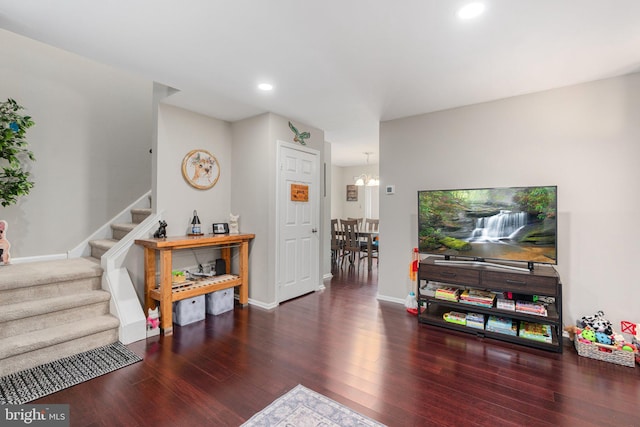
x=301, y=407
x=31, y=384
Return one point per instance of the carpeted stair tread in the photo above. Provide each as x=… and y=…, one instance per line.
x=103, y=243
x=141, y=211
x=32, y=308
x=25, y=343
x=124, y=226
x=15, y=276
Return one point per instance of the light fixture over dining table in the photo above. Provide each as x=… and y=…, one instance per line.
x=365, y=178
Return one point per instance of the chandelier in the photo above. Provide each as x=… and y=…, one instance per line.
x=365, y=178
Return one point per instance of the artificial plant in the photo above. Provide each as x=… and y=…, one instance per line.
x=14, y=179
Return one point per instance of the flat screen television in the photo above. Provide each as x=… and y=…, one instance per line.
x=505, y=224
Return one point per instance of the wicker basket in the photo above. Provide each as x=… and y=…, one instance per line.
x=606, y=353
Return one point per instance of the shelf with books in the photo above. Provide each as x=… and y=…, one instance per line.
x=552, y=313
x=435, y=315
x=477, y=284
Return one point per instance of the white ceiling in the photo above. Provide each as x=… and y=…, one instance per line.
x=341, y=65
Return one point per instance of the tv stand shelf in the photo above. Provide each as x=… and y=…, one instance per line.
x=542, y=281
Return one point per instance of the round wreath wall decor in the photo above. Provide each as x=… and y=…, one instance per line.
x=200, y=169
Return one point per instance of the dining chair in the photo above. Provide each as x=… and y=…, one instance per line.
x=337, y=242
x=351, y=247
x=360, y=221
x=370, y=225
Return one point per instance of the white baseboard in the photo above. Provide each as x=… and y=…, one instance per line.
x=390, y=299
x=261, y=304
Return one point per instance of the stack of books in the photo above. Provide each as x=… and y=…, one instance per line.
x=478, y=297
x=505, y=304
x=430, y=288
x=503, y=325
x=475, y=320
x=448, y=293
x=455, y=317
x=529, y=307
x=535, y=331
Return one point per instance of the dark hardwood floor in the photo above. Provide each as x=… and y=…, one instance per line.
x=367, y=354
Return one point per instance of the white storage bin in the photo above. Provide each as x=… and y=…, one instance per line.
x=220, y=301
x=188, y=310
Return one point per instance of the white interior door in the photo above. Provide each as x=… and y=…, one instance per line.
x=298, y=221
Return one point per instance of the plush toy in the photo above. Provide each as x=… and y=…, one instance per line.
x=161, y=231
x=153, y=320
x=603, y=338
x=572, y=330
x=4, y=243
x=598, y=323
x=589, y=335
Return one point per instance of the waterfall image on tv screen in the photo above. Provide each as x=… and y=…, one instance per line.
x=515, y=223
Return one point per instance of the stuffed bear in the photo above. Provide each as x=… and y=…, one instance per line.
x=4, y=243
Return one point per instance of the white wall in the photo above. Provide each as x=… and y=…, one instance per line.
x=254, y=194
x=179, y=132
x=583, y=138
x=343, y=176
x=91, y=141
x=326, y=193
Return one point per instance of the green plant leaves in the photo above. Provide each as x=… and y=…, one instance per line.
x=14, y=179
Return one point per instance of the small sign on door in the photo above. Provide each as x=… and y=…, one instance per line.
x=299, y=193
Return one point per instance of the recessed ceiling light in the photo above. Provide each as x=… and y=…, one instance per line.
x=265, y=86
x=471, y=10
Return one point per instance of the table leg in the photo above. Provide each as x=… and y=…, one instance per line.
x=225, y=254
x=166, y=304
x=149, y=279
x=369, y=248
x=243, y=296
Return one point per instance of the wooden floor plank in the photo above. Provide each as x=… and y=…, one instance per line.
x=367, y=354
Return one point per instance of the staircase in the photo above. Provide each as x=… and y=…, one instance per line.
x=118, y=231
x=54, y=309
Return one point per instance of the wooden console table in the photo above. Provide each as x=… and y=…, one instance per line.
x=164, y=293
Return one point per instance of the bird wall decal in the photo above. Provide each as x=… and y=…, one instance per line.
x=299, y=137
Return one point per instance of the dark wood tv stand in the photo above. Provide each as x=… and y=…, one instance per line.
x=543, y=281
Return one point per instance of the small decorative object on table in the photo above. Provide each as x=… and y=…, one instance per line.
x=233, y=224
x=220, y=228
x=4, y=243
x=161, y=232
x=178, y=276
x=196, y=229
